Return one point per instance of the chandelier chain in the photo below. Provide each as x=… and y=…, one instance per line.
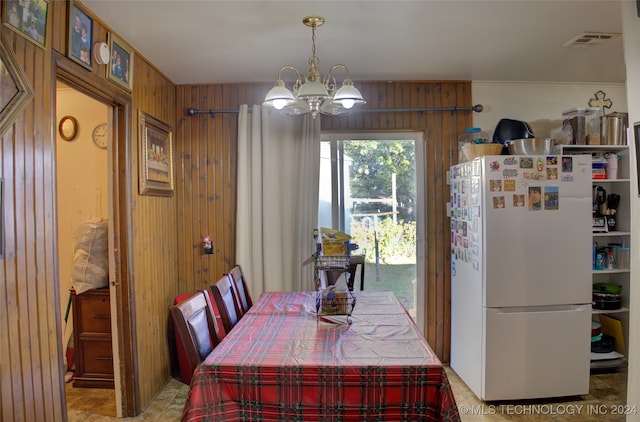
x=313, y=59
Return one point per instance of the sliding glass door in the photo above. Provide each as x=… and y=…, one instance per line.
x=370, y=188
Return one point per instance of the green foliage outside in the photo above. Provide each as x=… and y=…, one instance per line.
x=396, y=242
x=372, y=168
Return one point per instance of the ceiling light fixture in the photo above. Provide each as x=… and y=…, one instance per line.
x=310, y=94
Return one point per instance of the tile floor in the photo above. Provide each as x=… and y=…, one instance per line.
x=99, y=405
x=606, y=391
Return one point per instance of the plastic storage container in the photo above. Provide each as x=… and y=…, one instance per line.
x=584, y=124
x=472, y=135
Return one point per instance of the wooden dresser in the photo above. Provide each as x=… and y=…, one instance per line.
x=92, y=339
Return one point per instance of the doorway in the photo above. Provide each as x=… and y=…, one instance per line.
x=119, y=194
x=371, y=187
x=83, y=212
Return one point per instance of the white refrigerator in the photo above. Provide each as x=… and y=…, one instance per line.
x=521, y=231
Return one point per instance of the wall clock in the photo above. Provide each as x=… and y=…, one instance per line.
x=99, y=136
x=68, y=128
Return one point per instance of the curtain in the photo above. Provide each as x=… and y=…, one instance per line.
x=277, y=205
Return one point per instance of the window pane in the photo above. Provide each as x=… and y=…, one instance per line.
x=368, y=189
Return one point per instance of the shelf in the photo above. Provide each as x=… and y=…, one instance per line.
x=609, y=311
x=593, y=148
x=613, y=233
x=606, y=356
x=608, y=363
x=610, y=180
x=616, y=271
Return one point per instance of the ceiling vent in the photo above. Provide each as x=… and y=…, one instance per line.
x=586, y=39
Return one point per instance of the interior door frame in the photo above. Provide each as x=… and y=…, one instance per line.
x=120, y=103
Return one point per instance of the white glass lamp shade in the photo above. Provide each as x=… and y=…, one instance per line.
x=279, y=96
x=348, y=95
x=312, y=89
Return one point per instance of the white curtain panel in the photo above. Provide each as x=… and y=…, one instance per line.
x=277, y=209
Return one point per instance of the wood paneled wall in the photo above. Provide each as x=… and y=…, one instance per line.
x=155, y=248
x=206, y=149
x=31, y=381
x=31, y=371
x=206, y=186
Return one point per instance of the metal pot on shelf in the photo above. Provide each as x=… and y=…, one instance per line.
x=613, y=128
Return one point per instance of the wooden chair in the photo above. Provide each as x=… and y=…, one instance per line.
x=356, y=261
x=240, y=283
x=197, y=328
x=227, y=302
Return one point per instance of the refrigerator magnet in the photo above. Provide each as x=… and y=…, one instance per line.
x=552, y=161
x=552, y=173
x=551, y=198
x=535, y=198
x=567, y=164
x=526, y=163
x=510, y=173
x=510, y=161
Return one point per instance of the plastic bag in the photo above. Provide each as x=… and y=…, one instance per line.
x=91, y=256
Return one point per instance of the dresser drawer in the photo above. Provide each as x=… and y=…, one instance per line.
x=93, y=312
x=97, y=357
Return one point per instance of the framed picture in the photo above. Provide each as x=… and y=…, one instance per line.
x=80, y=42
x=15, y=89
x=120, y=68
x=28, y=18
x=156, y=157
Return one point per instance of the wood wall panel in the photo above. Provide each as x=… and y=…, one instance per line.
x=154, y=252
x=30, y=361
x=207, y=187
x=206, y=191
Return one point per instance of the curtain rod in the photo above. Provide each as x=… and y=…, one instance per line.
x=478, y=108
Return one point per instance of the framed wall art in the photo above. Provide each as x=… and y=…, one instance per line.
x=27, y=18
x=80, y=42
x=15, y=89
x=155, y=157
x=120, y=68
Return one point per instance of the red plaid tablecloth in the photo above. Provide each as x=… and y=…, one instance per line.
x=279, y=363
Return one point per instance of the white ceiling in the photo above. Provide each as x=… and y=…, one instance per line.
x=197, y=42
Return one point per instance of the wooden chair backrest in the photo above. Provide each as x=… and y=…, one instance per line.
x=225, y=297
x=197, y=326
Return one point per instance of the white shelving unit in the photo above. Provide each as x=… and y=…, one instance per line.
x=622, y=234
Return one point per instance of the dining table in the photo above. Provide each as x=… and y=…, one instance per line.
x=282, y=362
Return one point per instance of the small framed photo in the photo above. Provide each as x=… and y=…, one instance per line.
x=80, y=42
x=120, y=69
x=28, y=18
x=155, y=157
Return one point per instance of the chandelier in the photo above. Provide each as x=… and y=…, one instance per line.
x=310, y=93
